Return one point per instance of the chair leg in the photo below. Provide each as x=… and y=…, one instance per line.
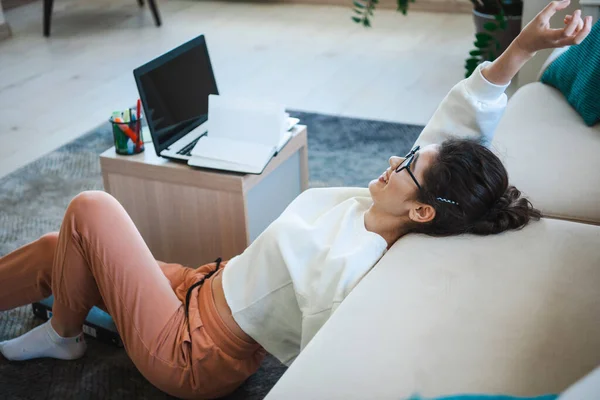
x=47, y=16
x=154, y=9
x=141, y=3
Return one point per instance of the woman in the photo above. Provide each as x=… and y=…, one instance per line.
x=200, y=333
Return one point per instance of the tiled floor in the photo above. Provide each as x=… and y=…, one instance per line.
x=309, y=57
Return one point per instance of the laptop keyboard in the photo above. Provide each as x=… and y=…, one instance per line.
x=187, y=150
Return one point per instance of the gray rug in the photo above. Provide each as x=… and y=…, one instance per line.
x=342, y=152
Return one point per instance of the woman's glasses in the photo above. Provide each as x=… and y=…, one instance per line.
x=405, y=165
x=408, y=160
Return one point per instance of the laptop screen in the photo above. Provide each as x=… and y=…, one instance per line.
x=174, y=90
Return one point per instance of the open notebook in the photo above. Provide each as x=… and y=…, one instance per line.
x=242, y=136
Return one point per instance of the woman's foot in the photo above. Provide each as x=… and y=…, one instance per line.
x=43, y=341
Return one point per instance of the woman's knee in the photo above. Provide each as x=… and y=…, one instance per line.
x=93, y=212
x=90, y=201
x=48, y=244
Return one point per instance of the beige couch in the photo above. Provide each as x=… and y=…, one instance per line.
x=517, y=313
x=557, y=161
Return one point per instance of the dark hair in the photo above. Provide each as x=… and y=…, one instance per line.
x=467, y=173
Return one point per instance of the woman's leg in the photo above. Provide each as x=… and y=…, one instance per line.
x=26, y=273
x=100, y=255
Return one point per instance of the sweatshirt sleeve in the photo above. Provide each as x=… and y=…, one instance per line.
x=472, y=109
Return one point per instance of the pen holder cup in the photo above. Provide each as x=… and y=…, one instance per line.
x=128, y=136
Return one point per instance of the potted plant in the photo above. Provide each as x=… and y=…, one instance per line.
x=497, y=23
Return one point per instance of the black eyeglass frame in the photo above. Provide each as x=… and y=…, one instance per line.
x=405, y=165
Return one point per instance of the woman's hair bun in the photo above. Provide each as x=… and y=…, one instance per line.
x=511, y=211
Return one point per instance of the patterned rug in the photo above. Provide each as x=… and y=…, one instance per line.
x=342, y=152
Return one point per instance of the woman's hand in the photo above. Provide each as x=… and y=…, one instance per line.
x=538, y=35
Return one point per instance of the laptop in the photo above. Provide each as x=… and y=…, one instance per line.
x=174, y=90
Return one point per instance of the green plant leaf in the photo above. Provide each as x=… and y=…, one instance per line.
x=367, y=23
x=359, y=12
x=470, y=65
x=357, y=20
x=476, y=52
x=402, y=6
x=482, y=45
x=358, y=4
x=490, y=26
x=501, y=18
x=483, y=36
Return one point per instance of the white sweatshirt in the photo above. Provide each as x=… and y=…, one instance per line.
x=289, y=281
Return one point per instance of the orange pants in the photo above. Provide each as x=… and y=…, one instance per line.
x=99, y=258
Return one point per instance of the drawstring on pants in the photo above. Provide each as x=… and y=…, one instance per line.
x=200, y=282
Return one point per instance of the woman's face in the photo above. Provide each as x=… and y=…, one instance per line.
x=394, y=192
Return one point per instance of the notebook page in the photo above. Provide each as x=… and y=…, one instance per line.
x=233, y=151
x=245, y=120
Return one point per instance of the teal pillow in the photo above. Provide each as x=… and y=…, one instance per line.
x=576, y=73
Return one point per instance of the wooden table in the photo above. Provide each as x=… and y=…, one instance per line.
x=193, y=216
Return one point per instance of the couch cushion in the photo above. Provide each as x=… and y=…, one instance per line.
x=550, y=154
x=516, y=313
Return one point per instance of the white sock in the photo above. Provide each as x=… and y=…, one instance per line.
x=43, y=341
